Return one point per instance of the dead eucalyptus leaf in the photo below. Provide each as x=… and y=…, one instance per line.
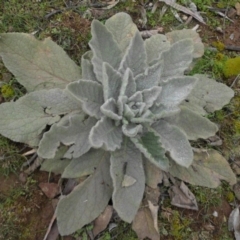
x=128, y=181
x=51, y=190
x=154, y=212
x=154, y=175
x=237, y=6
x=234, y=223
x=152, y=194
x=143, y=225
x=101, y=222
x=182, y=197
x=236, y=189
x=207, y=170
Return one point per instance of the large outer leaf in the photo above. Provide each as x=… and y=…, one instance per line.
x=194, y=125
x=150, y=145
x=56, y=101
x=37, y=64
x=86, y=164
x=86, y=201
x=207, y=169
x=75, y=134
x=90, y=93
x=177, y=59
x=175, y=90
x=174, y=141
x=104, y=48
x=208, y=95
x=154, y=46
x=122, y=29
x=135, y=57
x=106, y=134
x=58, y=163
x=177, y=35
x=25, y=119
x=127, y=161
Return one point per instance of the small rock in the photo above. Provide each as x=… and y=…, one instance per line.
x=6, y=77
x=51, y=190
x=209, y=227
x=215, y=214
x=23, y=177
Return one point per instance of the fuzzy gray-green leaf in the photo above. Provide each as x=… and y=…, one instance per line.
x=177, y=59
x=87, y=67
x=122, y=28
x=25, y=119
x=208, y=169
x=112, y=81
x=90, y=93
x=86, y=164
x=208, y=95
x=194, y=125
x=178, y=35
x=135, y=57
x=150, y=78
x=86, y=201
x=175, y=90
x=150, y=145
x=175, y=141
x=155, y=45
x=58, y=163
x=127, y=161
x=75, y=135
x=104, y=48
x=37, y=64
x=106, y=134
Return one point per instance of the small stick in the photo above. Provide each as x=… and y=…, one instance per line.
x=235, y=80
x=232, y=48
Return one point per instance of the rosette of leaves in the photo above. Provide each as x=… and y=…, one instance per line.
x=131, y=106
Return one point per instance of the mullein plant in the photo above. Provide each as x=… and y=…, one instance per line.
x=130, y=104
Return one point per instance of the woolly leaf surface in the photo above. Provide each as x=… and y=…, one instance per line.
x=194, y=125
x=177, y=59
x=109, y=109
x=56, y=164
x=135, y=56
x=75, y=135
x=178, y=35
x=104, y=48
x=175, y=141
x=122, y=28
x=106, y=134
x=150, y=145
x=127, y=161
x=90, y=93
x=150, y=78
x=208, y=95
x=154, y=46
x=175, y=90
x=86, y=164
x=86, y=202
x=207, y=170
x=112, y=81
x=37, y=64
x=25, y=119
x=87, y=67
